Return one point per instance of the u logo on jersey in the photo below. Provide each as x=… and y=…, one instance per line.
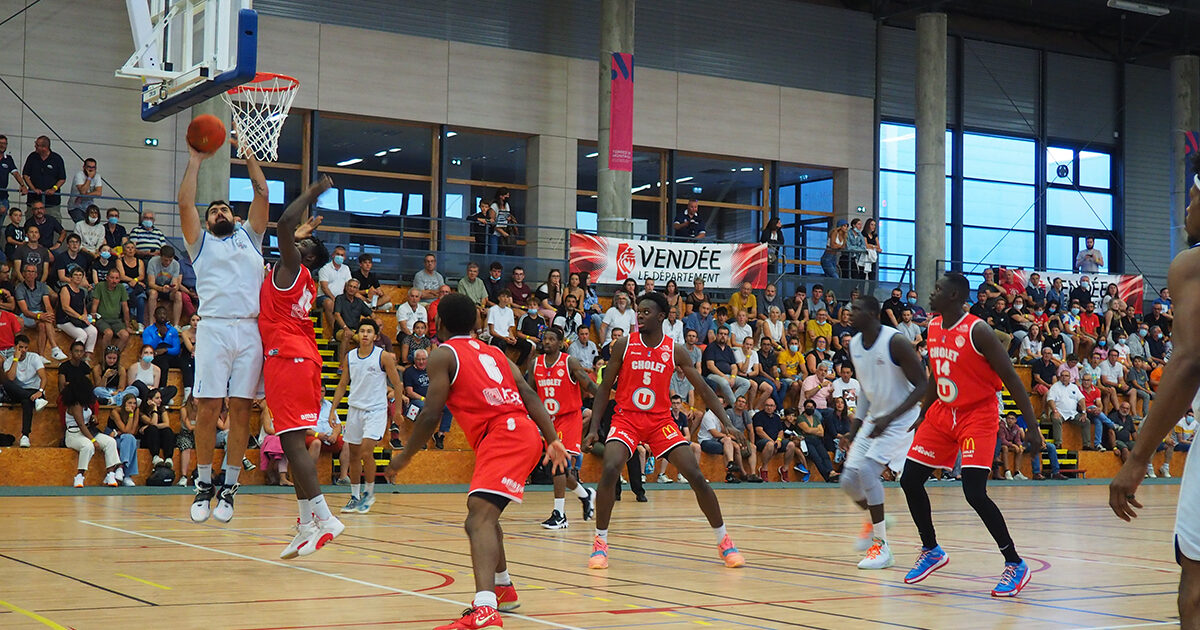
x=947, y=391
x=644, y=398
x=552, y=407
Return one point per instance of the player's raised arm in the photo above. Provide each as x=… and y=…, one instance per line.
x=906, y=357
x=1180, y=380
x=442, y=363
x=260, y=206
x=604, y=391
x=189, y=217
x=985, y=340
x=684, y=362
x=581, y=375
x=289, y=256
x=556, y=453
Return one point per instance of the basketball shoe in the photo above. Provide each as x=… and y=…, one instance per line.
x=322, y=533
x=929, y=561
x=1016, y=575
x=879, y=556
x=599, y=558
x=506, y=598
x=730, y=554
x=478, y=617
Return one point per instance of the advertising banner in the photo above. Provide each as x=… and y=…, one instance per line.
x=620, y=114
x=720, y=265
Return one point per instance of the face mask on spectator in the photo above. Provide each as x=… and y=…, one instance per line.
x=1037, y=311
x=1053, y=309
x=114, y=220
x=147, y=358
x=148, y=224
x=794, y=348
x=1102, y=342
x=93, y=220
x=106, y=255
x=1143, y=332
x=1074, y=311
x=1086, y=286
x=1121, y=341
x=1018, y=305
x=339, y=259
x=1158, y=336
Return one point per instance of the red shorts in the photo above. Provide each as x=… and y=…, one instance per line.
x=660, y=434
x=505, y=457
x=570, y=431
x=293, y=389
x=948, y=430
x=334, y=448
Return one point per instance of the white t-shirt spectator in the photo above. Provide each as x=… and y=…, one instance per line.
x=1186, y=427
x=410, y=316
x=738, y=332
x=586, y=355
x=741, y=356
x=569, y=326
x=674, y=331
x=707, y=424
x=1031, y=347
x=911, y=331
x=1112, y=371
x=614, y=318
x=848, y=389
x=501, y=319
x=91, y=237
x=27, y=376
x=335, y=277
x=1066, y=398
x=78, y=201
x=773, y=330
x=428, y=281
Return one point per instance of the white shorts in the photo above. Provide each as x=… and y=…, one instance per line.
x=229, y=359
x=1187, y=515
x=364, y=423
x=891, y=446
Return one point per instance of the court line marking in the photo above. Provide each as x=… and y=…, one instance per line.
x=32, y=615
x=146, y=582
x=295, y=567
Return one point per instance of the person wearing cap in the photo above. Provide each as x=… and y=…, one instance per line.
x=834, y=246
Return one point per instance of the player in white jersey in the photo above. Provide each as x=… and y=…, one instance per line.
x=893, y=382
x=366, y=370
x=1180, y=380
x=229, y=274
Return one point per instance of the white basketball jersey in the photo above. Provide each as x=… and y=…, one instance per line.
x=883, y=382
x=229, y=274
x=368, y=383
x=1187, y=515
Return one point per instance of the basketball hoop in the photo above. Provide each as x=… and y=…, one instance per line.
x=258, y=110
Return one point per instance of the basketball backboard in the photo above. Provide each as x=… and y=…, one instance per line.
x=188, y=51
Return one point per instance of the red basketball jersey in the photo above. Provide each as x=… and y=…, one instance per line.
x=644, y=382
x=556, y=387
x=283, y=320
x=483, y=393
x=962, y=375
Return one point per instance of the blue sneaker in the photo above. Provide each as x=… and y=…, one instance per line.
x=351, y=505
x=1016, y=576
x=365, y=503
x=929, y=561
x=804, y=474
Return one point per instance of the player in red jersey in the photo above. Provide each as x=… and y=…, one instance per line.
x=494, y=407
x=960, y=413
x=292, y=365
x=557, y=378
x=641, y=366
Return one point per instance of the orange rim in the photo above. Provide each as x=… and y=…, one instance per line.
x=290, y=83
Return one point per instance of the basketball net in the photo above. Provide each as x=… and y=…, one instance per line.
x=258, y=110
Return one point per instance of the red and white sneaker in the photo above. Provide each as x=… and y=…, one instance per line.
x=320, y=534
x=478, y=617
x=506, y=598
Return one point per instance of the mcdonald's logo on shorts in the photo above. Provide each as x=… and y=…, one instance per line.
x=669, y=431
x=968, y=444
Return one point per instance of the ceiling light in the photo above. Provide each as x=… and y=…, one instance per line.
x=394, y=150
x=451, y=134
x=746, y=169
x=591, y=155
x=380, y=153
x=1139, y=7
x=684, y=179
x=350, y=162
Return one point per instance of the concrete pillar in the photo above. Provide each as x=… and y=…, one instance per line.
x=853, y=188
x=550, y=165
x=1185, y=117
x=931, y=149
x=614, y=205
x=213, y=181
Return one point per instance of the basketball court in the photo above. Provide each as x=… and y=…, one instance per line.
x=108, y=559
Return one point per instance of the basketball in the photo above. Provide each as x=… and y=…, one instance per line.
x=206, y=133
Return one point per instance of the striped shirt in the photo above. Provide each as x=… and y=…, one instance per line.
x=147, y=240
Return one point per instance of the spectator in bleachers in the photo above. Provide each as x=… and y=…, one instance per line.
x=503, y=239
x=111, y=382
x=793, y=440
x=114, y=232
x=679, y=383
x=712, y=440
x=1121, y=345
x=1012, y=445
x=33, y=254
x=1113, y=381
x=989, y=288
x=481, y=223
x=73, y=315
x=700, y=320
x=740, y=329
x=772, y=327
x=1160, y=317
x=744, y=300
x=104, y=263
x=348, y=309
x=837, y=422
x=1164, y=298
x=431, y=309
x=570, y=320
x=155, y=429
x=1011, y=284
x=1044, y=371
x=815, y=302
x=1124, y=435
x=696, y=297
x=187, y=356
x=33, y=302
x=110, y=312
x=1157, y=346
x=819, y=353
x=768, y=361
x=133, y=275
x=720, y=368
x=1081, y=293
x=835, y=245
x=673, y=326
x=8, y=301
x=748, y=366
x=817, y=328
x=165, y=347
x=10, y=327
x=768, y=436
x=368, y=284
x=682, y=419
x=1057, y=342
x=502, y=322
x=847, y=387
x=24, y=382
x=185, y=441
x=841, y=327
x=1110, y=293
x=495, y=283
x=14, y=233
x=769, y=297
x=1092, y=366
x=550, y=294
x=165, y=279
x=410, y=312
x=531, y=324
x=1034, y=290
x=8, y=166
x=326, y=437
x=146, y=238
x=91, y=232
x=856, y=250
x=123, y=423
x=811, y=425
x=584, y=350
x=428, y=280
x=619, y=316
x=517, y=288
x=1139, y=381
x=84, y=436
x=1057, y=295
x=575, y=286
x=1071, y=366
x=688, y=224
x=473, y=287
x=792, y=370
x=647, y=286
x=910, y=330
x=331, y=280
x=841, y=356
x=1094, y=412
x=416, y=386
x=1089, y=259
x=818, y=386
x=415, y=342
x=270, y=452
x=43, y=174
x=674, y=297
x=75, y=389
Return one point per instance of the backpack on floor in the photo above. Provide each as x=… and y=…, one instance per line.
x=163, y=475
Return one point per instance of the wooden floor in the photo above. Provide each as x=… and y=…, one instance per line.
x=137, y=562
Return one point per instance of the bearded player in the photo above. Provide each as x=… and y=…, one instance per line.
x=292, y=367
x=494, y=407
x=557, y=378
x=641, y=368
x=960, y=413
x=1176, y=392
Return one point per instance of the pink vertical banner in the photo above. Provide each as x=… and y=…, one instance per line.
x=620, y=114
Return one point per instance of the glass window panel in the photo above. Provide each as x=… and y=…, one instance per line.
x=1095, y=169
x=1011, y=248
x=897, y=238
x=240, y=189
x=812, y=184
x=373, y=202
x=375, y=146
x=646, y=170
x=1059, y=254
x=787, y=196
x=817, y=196
x=992, y=204
x=1076, y=209
x=897, y=147
x=291, y=139
x=414, y=205
x=718, y=179
x=378, y=196
x=485, y=156
x=1059, y=157
x=998, y=159
x=283, y=185
x=454, y=206
x=897, y=195
x=1101, y=244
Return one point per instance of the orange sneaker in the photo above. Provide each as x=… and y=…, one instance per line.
x=472, y=618
x=506, y=598
x=599, y=558
x=730, y=554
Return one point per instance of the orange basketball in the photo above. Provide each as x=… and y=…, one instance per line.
x=206, y=133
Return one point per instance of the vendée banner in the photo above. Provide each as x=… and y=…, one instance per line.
x=721, y=265
x=620, y=114
x=1129, y=288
